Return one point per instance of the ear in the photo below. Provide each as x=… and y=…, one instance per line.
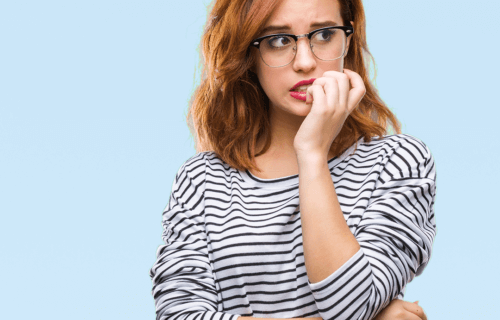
x=349, y=39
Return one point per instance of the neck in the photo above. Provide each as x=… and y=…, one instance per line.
x=284, y=128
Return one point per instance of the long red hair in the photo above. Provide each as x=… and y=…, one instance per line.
x=229, y=111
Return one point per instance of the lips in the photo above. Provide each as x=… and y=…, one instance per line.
x=298, y=95
x=298, y=91
x=302, y=83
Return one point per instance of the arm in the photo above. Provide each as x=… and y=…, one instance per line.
x=404, y=310
x=183, y=281
x=356, y=274
x=253, y=318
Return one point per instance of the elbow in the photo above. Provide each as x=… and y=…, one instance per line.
x=366, y=299
x=375, y=297
x=369, y=297
x=356, y=291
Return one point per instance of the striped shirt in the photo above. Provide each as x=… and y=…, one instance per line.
x=233, y=241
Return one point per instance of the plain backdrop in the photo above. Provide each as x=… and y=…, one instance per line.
x=93, y=99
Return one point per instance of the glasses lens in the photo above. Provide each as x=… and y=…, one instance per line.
x=277, y=51
x=328, y=44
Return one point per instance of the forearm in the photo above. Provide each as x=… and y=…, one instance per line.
x=327, y=241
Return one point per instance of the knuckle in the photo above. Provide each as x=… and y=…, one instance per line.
x=319, y=80
x=399, y=314
x=333, y=80
x=344, y=76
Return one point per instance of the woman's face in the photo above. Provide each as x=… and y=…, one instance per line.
x=300, y=17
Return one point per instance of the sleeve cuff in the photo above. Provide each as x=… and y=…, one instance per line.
x=235, y=316
x=203, y=315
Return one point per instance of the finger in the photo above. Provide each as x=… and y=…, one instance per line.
x=331, y=88
x=358, y=89
x=343, y=84
x=316, y=93
x=411, y=316
x=415, y=309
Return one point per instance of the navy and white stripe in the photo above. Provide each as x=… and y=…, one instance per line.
x=233, y=242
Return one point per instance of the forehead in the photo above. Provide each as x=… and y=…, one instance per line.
x=300, y=14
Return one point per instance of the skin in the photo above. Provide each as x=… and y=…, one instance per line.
x=287, y=114
x=400, y=309
x=302, y=131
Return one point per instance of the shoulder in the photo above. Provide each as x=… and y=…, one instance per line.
x=392, y=143
x=196, y=167
x=192, y=171
x=193, y=164
x=402, y=156
x=189, y=183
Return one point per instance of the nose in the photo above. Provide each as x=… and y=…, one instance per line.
x=305, y=60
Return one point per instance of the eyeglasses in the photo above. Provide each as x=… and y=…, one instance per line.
x=278, y=50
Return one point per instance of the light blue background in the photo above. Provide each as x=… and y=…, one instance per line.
x=93, y=99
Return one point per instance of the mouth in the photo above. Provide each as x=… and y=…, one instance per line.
x=299, y=90
x=299, y=95
x=302, y=86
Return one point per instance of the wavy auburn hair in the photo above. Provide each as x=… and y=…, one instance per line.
x=229, y=111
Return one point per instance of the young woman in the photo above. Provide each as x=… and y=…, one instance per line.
x=299, y=203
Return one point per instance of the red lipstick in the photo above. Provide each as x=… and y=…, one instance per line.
x=300, y=95
x=303, y=83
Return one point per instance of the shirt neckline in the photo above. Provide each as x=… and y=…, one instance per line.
x=292, y=180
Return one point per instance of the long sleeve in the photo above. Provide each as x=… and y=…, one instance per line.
x=395, y=233
x=182, y=276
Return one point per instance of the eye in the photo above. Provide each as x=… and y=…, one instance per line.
x=279, y=42
x=324, y=35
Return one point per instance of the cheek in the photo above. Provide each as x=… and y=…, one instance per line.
x=336, y=65
x=324, y=66
x=269, y=82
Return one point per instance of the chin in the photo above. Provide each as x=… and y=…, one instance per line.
x=303, y=112
x=298, y=108
x=293, y=106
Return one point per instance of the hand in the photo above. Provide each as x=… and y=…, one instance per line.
x=332, y=102
x=402, y=310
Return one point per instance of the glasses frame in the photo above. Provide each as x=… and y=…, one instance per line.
x=349, y=30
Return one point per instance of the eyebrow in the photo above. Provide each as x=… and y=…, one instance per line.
x=288, y=28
